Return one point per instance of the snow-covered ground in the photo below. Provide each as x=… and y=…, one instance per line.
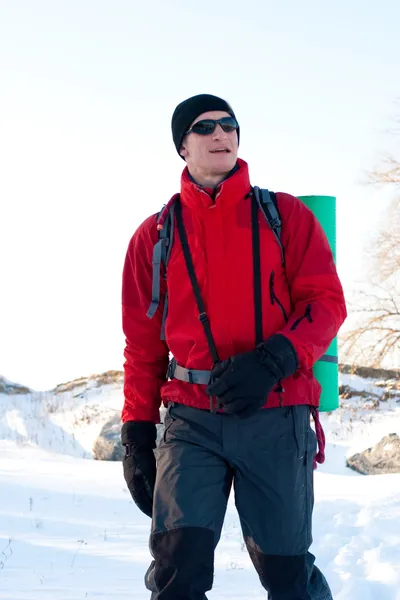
x=69, y=529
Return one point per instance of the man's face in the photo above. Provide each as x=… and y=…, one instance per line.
x=210, y=156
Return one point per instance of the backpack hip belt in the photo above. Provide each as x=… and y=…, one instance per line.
x=175, y=371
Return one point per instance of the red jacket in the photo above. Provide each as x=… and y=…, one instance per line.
x=220, y=239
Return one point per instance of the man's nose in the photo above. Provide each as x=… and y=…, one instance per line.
x=219, y=133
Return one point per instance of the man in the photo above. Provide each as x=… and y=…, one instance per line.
x=245, y=321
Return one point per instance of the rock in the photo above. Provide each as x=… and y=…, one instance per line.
x=108, y=445
x=382, y=458
x=108, y=378
x=11, y=388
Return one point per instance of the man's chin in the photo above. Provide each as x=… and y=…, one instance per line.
x=223, y=168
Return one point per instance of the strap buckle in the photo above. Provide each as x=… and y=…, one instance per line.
x=171, y=369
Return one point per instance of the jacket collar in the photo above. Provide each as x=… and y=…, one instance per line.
x=227, y=193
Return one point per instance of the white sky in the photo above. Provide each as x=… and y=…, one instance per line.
x=87, y=90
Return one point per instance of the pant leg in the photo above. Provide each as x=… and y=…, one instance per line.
x=274, y=498
x=191, y=494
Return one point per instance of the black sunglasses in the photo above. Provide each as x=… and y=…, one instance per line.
x=207, y=126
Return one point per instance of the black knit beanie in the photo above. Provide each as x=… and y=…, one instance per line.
x=187, y=111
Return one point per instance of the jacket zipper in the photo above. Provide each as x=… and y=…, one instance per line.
x=280, y=390
x=307, y=315
x=274, y=297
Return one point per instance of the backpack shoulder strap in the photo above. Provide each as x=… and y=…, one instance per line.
x=268, y=204
x=167, y=234
x=161, y=255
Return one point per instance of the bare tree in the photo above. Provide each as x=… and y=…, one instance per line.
x=375, y=335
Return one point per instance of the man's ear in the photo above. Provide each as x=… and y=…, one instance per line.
x=183, y=151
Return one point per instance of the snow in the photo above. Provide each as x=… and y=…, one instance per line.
x=69, y=529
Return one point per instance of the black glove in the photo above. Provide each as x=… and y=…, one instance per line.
x=243, y=382
x=139, y=439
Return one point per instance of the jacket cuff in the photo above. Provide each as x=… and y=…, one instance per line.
x=141, y=434
x=279, y=356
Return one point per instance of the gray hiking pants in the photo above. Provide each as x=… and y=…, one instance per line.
x=268, y=458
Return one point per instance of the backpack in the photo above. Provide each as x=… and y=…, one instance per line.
x=263, y=200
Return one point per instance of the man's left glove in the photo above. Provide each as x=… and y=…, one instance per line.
x=139, y=439
x=243, y=382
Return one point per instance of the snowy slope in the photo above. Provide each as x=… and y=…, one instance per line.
x=65, y=420
x=69, y=529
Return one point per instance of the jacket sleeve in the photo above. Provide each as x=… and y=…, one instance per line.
x=317, y=299
x=146, y=356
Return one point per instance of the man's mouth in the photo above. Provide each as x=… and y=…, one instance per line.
x=219, y=150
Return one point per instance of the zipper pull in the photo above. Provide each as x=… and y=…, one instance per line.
x=308, y=313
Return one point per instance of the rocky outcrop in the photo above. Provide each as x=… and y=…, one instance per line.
x=108, y=444
x=380, y=459
x=11, y=388
x=370, y=372
x=93, y=381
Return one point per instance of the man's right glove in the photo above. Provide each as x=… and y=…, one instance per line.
x=243, y=382
x=139, y=439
